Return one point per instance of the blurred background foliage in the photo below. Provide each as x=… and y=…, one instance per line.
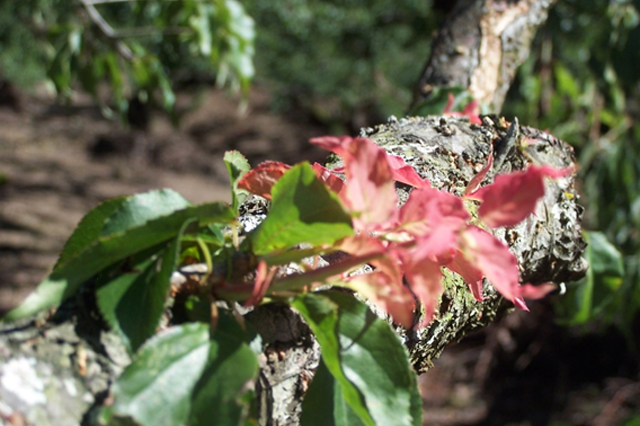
x=125, y=52
x=348, y=64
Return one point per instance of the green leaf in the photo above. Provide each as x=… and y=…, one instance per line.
x=365, y=357
x=155, y=389
x=184, y=377
x=303, y=210
x=230, y=373
x=594, y=294
x=64, y=281
x=122, y=300
x=141, y=208
x=89, y=228
x=321, y=313
x=325, y=396
x=237, y=166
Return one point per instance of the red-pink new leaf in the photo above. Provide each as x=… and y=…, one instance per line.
x=489, y=255
x=337, y=145
x=475, y=182
x=388, y=294
x=402, y=172
x=469, y=273
x=264, y=277
x=512, y=197
x=425, y=278
x=471, y=110
x=370, y=188
x=428, y=208
x=528, y=291
x=261, y=179
x=384, y=286
x=332, y=181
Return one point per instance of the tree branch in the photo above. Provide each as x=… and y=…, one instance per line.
x=480, y=46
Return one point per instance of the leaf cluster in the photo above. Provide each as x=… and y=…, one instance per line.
x=169, y=278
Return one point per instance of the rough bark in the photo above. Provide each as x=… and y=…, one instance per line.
x=480, y=46
x=59, y=372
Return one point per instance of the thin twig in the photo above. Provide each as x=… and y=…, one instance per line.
x=107, y=29
x=150, y=31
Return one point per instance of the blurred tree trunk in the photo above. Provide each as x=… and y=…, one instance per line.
x=480, y=46
x=72, y=363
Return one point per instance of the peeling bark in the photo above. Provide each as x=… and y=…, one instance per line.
x=480, y=46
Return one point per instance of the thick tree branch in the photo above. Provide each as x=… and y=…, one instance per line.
x=480, y=46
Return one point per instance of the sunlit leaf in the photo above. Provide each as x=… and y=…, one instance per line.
x=64, y=281
x=303, y=210
x=365, y=358
x=237, y=167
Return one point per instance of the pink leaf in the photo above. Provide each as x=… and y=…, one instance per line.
x=471, y=110
x=449, y=105
x=528, y=291
x=387, y=293
x=512, y=197
x=428, y=208
x=370, y=188
x=261, y=179
x=475, y=182
x=337, y=145
x=384, y=286
x=425, y=278
x=469, y=273
x=264, y=277
x=332, y=181
x=490, y=256
x=402, y=172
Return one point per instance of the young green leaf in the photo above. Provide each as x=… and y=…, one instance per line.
x=237, y=166
x=141, y=208
x=324, y=403
x=63, y=282
x=89, y=228
x=303, y=210
x=230, y=373
x=144, y=290
x=365, y=357
x=156, y=388
x=184, y=377
x=321, y=313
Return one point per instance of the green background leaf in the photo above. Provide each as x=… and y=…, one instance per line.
x=303, y=209
x=597, y=293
